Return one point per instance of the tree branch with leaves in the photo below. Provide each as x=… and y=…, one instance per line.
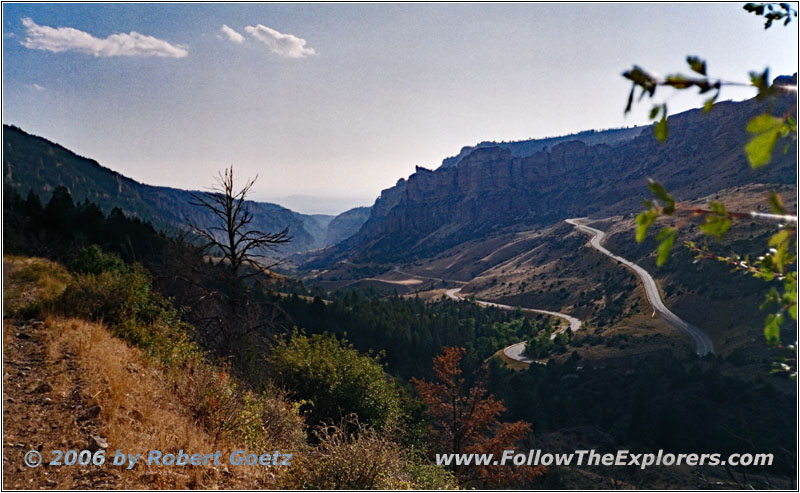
x=779, y=261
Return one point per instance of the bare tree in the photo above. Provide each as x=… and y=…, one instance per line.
x=241, y=246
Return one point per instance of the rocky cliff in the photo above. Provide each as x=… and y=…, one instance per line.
x=491, y=189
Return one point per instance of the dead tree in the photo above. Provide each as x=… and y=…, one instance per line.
x=242, y=248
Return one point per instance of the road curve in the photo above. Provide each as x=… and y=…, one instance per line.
x=515, y=351
x=702, y=342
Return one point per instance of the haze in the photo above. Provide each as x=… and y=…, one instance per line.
x=329, y=104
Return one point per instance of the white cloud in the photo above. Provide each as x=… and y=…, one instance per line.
x=61, y=39
x=285, y=45
x=232, y=34
x=37, y=87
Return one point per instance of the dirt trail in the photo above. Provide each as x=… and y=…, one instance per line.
x=44, y=409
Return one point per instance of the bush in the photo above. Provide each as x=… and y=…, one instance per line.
x=34, y=285
x=92, y=260
x=334, y=380
x=229, y=410
x=352, y=456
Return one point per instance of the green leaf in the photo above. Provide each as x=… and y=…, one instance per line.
x=678, y=81
x=776, y=203
x=661, y=192
x=654, y=112
x=761, y=81
x=661, y=129
x=759, y=150
x=793, y=311
x=696, y=64
x=666, y=237
x=709, y=103
x=767, y=128
x=630, y=100
x=718, y=223
x=778, y=238
x=772, y=328
x=763, y=123
x=771, y=297
x=643, y=221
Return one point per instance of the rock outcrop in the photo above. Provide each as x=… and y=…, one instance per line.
x=490, y=189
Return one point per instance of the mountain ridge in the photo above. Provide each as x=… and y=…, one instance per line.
x=490, y=189
x=37, y=164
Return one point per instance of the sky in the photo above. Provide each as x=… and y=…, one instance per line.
x=331, y=103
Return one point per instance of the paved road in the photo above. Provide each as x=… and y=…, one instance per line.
x=702, y=342
x=515, y=351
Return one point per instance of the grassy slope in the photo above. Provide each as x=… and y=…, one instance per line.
x=56, y=369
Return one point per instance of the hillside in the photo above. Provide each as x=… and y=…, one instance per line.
x=69, y=383
x=492, y=190
x=529, y=147
x=346, y=225
x=132, y=379
x=34, y=163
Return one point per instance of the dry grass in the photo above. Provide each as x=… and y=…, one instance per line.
x=57, y=369
x=140, y=411
x=31, y=283
x=68, y=381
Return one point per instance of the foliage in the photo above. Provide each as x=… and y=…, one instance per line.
x=60, y=230
x=352, y=456
x=466, y=420
x=228, y=409
x=409, y=330
x=36, y=164
x=34, y=285
x=332, y=380
x=625, y=402
x=92, y=260
x=770, y=13
x=767, y=129
x=122, y=297
x=776, y=263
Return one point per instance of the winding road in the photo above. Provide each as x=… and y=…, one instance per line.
x=515, y=351
x=702, y=342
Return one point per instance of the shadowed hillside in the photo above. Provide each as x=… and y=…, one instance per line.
x=34, y=163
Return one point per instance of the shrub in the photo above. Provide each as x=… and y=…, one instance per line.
x=334, y=380
x=351, y=456
x=230, y=411
x=92, y=260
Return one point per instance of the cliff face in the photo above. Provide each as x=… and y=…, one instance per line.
x=491, y=189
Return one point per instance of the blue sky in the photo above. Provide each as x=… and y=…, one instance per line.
x=338, y=101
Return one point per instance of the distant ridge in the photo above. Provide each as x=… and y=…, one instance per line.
x=32, y=163
x=492, y=188
x=528, y=147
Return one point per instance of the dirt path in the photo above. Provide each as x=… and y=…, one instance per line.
x=44, y=409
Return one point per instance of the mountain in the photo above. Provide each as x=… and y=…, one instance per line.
x=346, y=224
x=493, y=188
x=34, y=163
x=528, y=147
